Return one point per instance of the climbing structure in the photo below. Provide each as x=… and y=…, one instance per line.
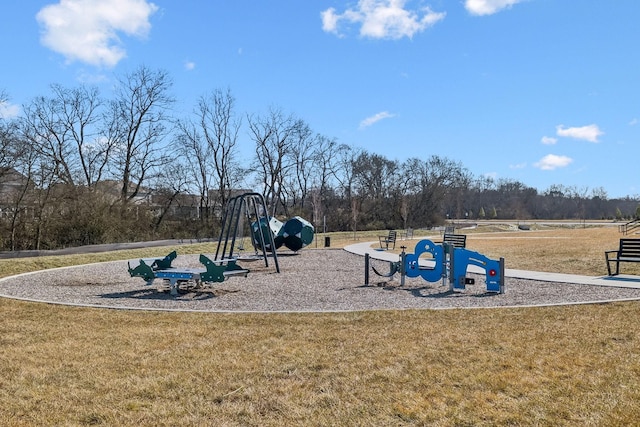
x=450, y=264
x=249, y=207
x=447, y=263
x=295, y=234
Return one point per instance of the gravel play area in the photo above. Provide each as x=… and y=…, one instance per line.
x=310, y=280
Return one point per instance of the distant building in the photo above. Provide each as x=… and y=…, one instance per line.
x=12, y=184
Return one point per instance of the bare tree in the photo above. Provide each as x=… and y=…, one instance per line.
x=196, y=155
x=30, y=200
x=9, y=147
x=209, y=144
x=302, y=154
x=14, y=159
x=324, y=174
x=598, y=203
x=345, y=175
x=275, y=136
x=169, y=184
x=138, y=123
x=374, y=175
x=436, y=186
x=18, y=161
x=220, y=126
x=64, y=129
x=374, y=178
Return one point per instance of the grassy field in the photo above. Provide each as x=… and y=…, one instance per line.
x=577, y=365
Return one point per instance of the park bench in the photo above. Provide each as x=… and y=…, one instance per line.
x=628, y=251
x=406, y=234
x=388, y=239
x=455, y=240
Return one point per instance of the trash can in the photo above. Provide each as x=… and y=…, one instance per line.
x=327, y=242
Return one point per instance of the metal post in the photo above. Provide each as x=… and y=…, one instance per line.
x=502, y=275
x=450, y=274
x=366, y=268
x=402, y=272
x=256, y=197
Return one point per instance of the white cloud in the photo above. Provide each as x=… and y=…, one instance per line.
x=375, y=118
x=189, y=65
x=88, y=30
x=551, y=162
x=588, y=133
x=8, y=110
x=548, y=140
x=488, y=7
x=382, y=19
x=330, y=20
x=518, y=166
x=633, y=122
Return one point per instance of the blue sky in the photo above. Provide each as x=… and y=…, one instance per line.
x=540, y=91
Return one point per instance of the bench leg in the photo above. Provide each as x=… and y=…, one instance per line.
x=609, y=261
x=609, y=267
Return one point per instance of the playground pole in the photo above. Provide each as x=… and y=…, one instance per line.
x=402, y=268
x=449, y=251
x=366, y=268
x=502, y=275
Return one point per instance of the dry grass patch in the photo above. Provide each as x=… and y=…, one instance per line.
x=562, y=250
x=546, y=366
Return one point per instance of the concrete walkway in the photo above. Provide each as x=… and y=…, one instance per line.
x=619, y=281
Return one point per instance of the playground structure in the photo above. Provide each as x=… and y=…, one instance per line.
x=447, y=263
x=160, y=268
x=225, y=262
x=266, y=234
x=247, y=207
x=295, y=233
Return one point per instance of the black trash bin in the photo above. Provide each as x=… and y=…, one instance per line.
x=327, y=241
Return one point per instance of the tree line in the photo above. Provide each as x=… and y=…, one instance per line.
x=80, y=168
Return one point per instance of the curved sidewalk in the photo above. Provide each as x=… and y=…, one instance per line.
x=620, y=281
